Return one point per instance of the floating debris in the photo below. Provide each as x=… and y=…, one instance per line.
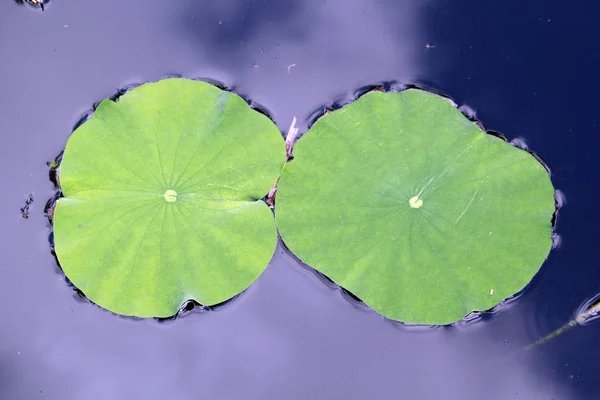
x=589, y=311
x=35, y=3
x=270, y=200
x=290, y=138
x=25, y=208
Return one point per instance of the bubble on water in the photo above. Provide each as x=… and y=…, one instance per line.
x=468, y=111
x=520, y=143
x=559, y=198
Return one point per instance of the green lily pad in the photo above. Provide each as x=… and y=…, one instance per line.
x=162, y=198
x=414, y=209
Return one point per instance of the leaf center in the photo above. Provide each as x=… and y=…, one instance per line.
x=170, y=196
x=415, y=201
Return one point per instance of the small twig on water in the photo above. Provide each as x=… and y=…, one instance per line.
x=290, y=138
x=25, y=208
x=271, y=196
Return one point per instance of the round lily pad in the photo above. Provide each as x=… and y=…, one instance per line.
x=414, y=209
x=162, y=198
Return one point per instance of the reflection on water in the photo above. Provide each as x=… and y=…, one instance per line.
x=336, y=46
x=291, y=335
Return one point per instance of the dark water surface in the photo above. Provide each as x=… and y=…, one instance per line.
x=529, y=69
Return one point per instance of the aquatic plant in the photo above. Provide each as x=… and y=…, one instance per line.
x=397, y=197
x=162, y=198
x=402, y=200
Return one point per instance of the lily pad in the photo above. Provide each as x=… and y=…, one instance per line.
x=414, y=209
x=162, y=198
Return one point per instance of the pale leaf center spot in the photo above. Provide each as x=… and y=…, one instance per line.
x=415, y=202
x=170, y=196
